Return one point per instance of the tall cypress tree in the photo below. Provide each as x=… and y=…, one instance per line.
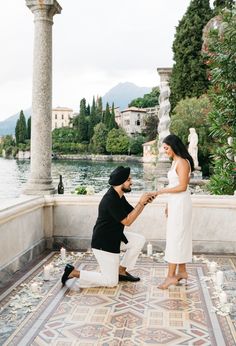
x=99, y=109
x=29, y=128
x=92, y=119
x=112, y=122
x=107, y=116
x=83, y=109
x=189, y=71
x=21, y=129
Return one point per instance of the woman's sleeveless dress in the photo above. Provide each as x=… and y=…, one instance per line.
x=179, y=235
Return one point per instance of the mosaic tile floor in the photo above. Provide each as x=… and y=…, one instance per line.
x=129, y=314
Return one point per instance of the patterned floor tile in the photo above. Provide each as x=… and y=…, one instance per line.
x=130, y=314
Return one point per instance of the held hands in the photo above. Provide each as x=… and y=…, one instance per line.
x=147, y=197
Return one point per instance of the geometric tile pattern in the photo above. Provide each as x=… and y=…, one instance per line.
x=129, y=314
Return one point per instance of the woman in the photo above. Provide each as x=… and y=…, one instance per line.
x=178, y=211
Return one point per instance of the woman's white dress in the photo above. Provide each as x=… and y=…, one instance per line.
x=179, y=235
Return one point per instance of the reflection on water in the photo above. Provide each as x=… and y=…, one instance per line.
x=14, y=173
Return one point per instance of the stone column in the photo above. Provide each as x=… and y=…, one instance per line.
x=40, y=180
x=163, y=162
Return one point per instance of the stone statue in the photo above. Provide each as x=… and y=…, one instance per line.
x=193, y=146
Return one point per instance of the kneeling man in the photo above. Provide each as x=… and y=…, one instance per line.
x=109, y=238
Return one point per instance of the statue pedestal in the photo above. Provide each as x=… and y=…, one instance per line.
x=197, y=174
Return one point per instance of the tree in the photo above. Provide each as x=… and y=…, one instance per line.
x=92, y=119
x=194, y=112
x=83, y=108
x=29, y=128
x=151, y=124
x=188, y=78
x=148, y=100
x=112, y=123
x=21, y=129
x=136, y=145
x=117, y=142
x=98, y=142
x=99, y=109
x=107, y=115
x=221, y=61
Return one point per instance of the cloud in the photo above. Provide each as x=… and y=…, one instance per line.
x=96, y=45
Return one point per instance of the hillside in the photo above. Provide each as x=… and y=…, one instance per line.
x=122, y=94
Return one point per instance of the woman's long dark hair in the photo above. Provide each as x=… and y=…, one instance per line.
x=179, y=148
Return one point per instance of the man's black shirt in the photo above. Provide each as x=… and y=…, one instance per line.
x=108, y=230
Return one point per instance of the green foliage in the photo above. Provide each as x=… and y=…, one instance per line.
x=29, y=128
x=222, y=65
x=98, y=142
x=107, y=115
x=83, y=108
x=148, y=100
x=117, y=142
x=99, y=109
x=81, y=190
x=136, y=147
x=151, y=125
x=8, y=141
x=66, y=141
x=193, y=112
x=189, y=77
x=220, y=4
x=21, y=133
x=112, y=123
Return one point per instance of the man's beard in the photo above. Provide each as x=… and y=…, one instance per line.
x=126, y=190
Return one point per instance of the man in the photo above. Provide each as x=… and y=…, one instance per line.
x=108, y=238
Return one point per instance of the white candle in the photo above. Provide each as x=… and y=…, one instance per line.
x=46, y=273
x=63, y=253
x=219, y=278
x=212, y=267
x=149, y=249
x=34, y=287
x=223, y=297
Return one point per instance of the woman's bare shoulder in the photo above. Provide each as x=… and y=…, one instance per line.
x=182, y=163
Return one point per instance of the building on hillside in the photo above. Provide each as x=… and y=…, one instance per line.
x=61, y=117
x=152, y=111
x=132, y=120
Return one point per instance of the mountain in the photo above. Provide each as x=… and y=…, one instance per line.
x=7, y=127
x=123, y=93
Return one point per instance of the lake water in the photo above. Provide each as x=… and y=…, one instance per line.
x=14, y=174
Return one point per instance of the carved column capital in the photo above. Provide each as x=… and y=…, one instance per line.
x=44, y=9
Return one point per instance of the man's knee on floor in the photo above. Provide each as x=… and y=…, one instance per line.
x=111, y=282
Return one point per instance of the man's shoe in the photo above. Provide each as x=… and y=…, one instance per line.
x=128, y=277
x=67, y=271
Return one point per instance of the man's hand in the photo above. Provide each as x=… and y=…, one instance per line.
x=147, y=197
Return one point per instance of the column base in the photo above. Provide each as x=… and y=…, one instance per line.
x=39, y=187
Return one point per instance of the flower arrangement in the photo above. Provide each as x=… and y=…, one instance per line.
x=84, y=190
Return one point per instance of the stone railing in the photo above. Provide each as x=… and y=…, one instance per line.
x=31, y=224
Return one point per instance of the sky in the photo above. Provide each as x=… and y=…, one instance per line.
x=96, y=45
